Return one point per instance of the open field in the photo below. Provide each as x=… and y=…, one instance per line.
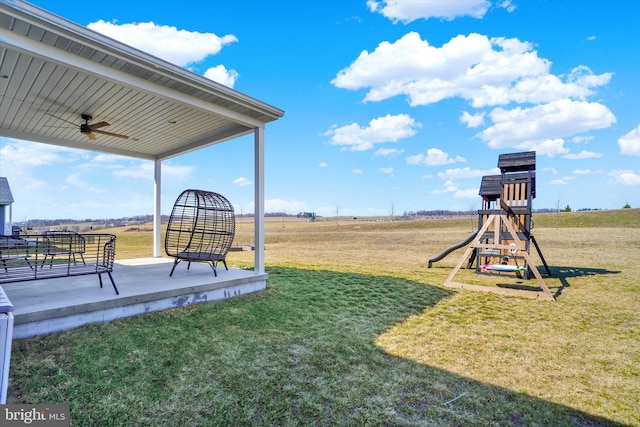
x=355, y=330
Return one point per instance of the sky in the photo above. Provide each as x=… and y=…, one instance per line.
x=390, y=106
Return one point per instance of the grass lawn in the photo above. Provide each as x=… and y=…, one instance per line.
x=354, y=330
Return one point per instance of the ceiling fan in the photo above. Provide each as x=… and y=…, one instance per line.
x=91, y=129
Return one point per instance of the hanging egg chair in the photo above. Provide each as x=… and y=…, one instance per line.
x=201, y=229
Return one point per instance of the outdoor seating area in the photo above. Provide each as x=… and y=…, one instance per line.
x=55, y=254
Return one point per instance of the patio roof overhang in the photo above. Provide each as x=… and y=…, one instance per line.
x=52, y=71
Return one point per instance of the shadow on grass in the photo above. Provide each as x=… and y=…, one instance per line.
x=300, y=353
x=520, y=287
x=563, y=273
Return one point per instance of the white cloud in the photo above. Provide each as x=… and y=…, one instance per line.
x=356, y=171
x=221, y=75
x=625, y=177
x=17, y=155
x=281, y=205
x=75, y=180
x=409, y=11
x=630, y=143
x=581, y=139
x=107, y=158
x=172, y=172
x=563, y=181
x=322, y=165
x=472, y=120
x=506, y=4
x=145, y=170
x=180, y=47
x=584, y=154
x=389, y=128
x=470, y=193
x=72, y=183
x=485, y=71
x=387, y=171
x=388, y=152
x=449, y=187
x=434, y=157
x=541, y=127
x=591, y=38
x=584, y=172
x=242, y=181
x=463, y=173
x=549, y=147
x=140, y=170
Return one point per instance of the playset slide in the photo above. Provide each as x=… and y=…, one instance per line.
x=452, y=248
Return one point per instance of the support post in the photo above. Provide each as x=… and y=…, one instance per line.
x=259, y=200
x=157, y=217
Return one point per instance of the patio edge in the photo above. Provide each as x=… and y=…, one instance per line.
x=51, y=321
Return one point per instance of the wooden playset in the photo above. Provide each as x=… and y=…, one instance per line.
x=502, y=244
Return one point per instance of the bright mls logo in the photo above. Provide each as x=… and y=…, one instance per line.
x=35, y=415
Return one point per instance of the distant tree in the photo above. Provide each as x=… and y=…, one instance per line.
x=567, y=209
x=627, y=206
x=311, y=216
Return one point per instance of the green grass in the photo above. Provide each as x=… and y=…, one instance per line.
x=354, y=330
x=301, y=353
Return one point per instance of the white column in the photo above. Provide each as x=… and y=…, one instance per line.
x=259, y=199
x=10, y=221
x=157, y=218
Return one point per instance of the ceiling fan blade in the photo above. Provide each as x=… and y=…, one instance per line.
x=110, y=134
x=60, y=118
x=98, y=125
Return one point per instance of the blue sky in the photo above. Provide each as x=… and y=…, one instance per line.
x=389, y=105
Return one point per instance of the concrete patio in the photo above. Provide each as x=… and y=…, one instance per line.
x=52, y=305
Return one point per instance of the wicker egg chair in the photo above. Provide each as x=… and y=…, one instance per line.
x=201, y=229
